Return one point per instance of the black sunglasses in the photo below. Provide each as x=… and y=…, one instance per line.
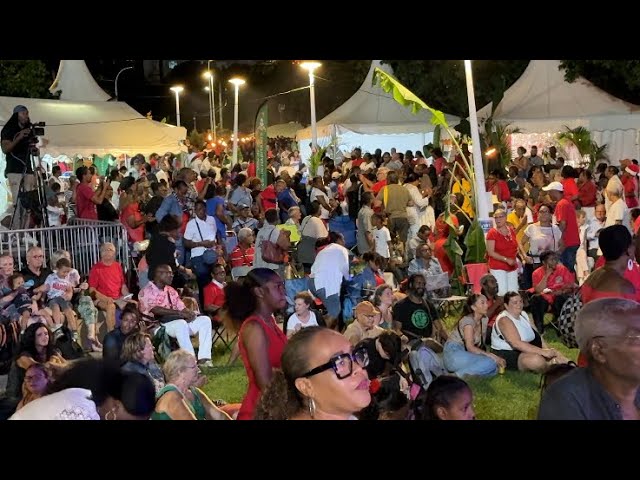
x=342, y=364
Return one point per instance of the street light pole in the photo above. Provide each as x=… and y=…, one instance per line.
x=118, y=75
x=236, y=82
x=311, y=66
x=212, y=102
x=220, y=103
x=177, y=89
x=481, y=197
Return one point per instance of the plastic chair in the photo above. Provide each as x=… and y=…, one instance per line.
x=473, y=272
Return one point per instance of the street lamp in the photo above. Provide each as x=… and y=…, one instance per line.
x=236, y=82
x=212, y=105
x=118, y=75
x=177, y=89
x=481, y=197
x=310, y=67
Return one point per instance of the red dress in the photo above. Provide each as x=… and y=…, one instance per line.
x=276, y=340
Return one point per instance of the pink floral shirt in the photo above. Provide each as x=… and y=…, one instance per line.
x=151, y=296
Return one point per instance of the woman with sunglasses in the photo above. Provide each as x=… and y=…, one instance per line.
x=322, y=378
x=250, y=304
x=540, y=236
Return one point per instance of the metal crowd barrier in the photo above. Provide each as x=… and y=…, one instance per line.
x=80, y=237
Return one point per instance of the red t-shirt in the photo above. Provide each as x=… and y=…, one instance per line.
x=630, y=187
x=107, y=279
x=85, y=208
x=505, y=193
x=242, y=258
x=133, y=234
x=357, y=162
x=505, y=246
x=213, y=295
x=269, y=197
x=570, y=188
x=200, y=185
x=560, y=278
x=587, y=194
x=565, y=211
x=376, y=187
x=251, y=169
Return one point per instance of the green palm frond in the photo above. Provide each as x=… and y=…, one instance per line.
x=579, y=136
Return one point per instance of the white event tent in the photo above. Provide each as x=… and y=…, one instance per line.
x=541, y=103
x=372, y=119
x=84, y=123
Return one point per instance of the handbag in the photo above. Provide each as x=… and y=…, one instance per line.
x=210, y=257
x=271, y=252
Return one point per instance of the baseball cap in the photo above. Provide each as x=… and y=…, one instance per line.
x=366, y=308
x=554, y=186
x=335, y=175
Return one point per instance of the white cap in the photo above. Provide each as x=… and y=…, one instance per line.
x=554, y=186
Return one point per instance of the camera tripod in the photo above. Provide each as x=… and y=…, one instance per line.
x=34, y=200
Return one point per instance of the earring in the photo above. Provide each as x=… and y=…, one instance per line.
x=629, y=264
x=112, y=411
x=312, y=408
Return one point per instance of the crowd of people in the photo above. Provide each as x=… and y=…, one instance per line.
x=214, y=252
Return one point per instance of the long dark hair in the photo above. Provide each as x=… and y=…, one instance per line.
x=28, y=343
x=387, y=399
x=471, y=301
x=240, y=301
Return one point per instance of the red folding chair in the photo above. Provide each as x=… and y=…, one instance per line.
x=473, y=272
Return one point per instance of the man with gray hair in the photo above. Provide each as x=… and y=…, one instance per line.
x=608, y=333
x=107, y=285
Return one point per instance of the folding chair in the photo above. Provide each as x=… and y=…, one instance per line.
x=473, y=272
x=218, y=334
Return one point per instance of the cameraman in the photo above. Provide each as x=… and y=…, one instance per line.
x=16, y=145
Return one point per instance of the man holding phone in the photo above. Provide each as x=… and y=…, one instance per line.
x=107, y=285
x=86, y=199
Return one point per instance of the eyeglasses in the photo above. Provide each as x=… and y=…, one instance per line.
x=632, y=339
x=342, y=364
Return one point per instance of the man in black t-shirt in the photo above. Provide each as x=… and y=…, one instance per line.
x=414, y=314
x=15, y=137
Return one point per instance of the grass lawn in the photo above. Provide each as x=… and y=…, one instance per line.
x=512, y=396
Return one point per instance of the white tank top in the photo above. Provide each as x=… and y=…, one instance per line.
x=522, y=325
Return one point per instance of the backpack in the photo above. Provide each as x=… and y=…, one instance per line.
x=566, y=321
x=64, y=341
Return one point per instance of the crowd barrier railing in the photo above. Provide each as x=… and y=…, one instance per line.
x=81, y=238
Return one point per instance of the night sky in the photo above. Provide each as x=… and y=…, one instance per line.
x=264, y=77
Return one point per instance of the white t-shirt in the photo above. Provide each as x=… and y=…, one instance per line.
x=69, y=404
x=314, y=228
x=315, y=194
x=330, y=267
x=208, y=229
x=57, y=286
x=381, y=237
x=294, y=321
x=618, y=211
x=53, y=214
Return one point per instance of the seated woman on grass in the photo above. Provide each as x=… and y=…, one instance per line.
x=138, y=356
x=518, y=343
x=181, y=399
x=464, y=351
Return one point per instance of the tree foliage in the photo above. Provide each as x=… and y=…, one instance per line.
x=24, y=78
x=620, y=78
x=441, y=83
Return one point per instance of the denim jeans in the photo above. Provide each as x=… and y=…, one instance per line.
x=457, y=360
x=568, y=258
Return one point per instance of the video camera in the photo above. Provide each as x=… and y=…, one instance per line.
x=37, y=129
